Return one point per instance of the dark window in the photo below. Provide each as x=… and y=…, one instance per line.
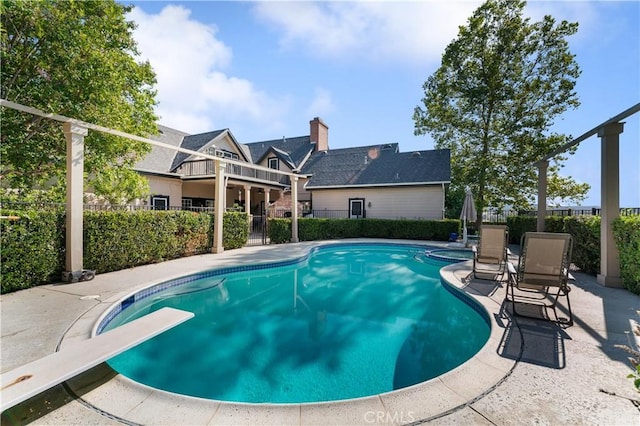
x=356, y=208
x=160, y=202
x=274, y=163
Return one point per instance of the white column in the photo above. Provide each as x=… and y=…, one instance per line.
x=219, y=207
x=610, y=203
x=247, y=205
x=74, y=135
x=294, y=209
x=542, y=194
x=266, y=201
x=247, y=199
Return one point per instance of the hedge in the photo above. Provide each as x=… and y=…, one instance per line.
x=33, y=247
x=235, y=227
x=115, y=240
x=626, y=231
x=326, y=229
x=585, y=231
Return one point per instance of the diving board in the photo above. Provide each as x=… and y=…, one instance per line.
x=29, y=380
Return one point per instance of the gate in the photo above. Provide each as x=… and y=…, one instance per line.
x=258, y=231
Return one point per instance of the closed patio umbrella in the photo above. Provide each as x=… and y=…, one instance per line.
x=468, y=213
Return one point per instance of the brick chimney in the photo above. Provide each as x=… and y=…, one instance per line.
x=319, y=134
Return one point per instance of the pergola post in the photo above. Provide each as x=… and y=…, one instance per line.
x=294, y=209
x=74, y=135
x=542, y=194
x=609, y=135
x=219, y=206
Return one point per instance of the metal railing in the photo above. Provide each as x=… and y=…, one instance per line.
x=207, y=168
x=323, y=214
x=17, y=205
x=494, y=215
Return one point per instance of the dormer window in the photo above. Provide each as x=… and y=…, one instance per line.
x=223, y=153
x=274, y=163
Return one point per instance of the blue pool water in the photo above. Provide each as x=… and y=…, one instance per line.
x=348, y=321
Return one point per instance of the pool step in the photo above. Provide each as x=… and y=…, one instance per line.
x=29, y=380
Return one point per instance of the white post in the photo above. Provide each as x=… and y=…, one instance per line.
x=609, y=275
x=542, y=194
x=219, y=207
x=74, y=135
x=247, y=199
x=294, y=209
x=266, y=201
x=247, y=205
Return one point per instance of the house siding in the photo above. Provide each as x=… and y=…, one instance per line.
x=420, y=202
x=167, y=186
x=199, y=189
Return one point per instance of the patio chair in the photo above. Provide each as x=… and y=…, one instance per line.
x=542, y=268
x=491, y=254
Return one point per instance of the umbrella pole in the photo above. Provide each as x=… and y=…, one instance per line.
x=464, y=231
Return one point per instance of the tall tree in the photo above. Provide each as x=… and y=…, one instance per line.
x=501, y=84
x=75, y=58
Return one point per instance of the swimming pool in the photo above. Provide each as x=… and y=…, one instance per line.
x=342, y=322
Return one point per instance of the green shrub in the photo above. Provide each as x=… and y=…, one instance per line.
x=626, y=232
x=32, y=248
x=327, y=229
x=115, y=240
x=194, y=232
x=585, y=231
x=235, y=226
x=519, y=225
x=279, y=230
x=554, y=224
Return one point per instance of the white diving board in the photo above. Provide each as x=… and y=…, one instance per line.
x=29, y=380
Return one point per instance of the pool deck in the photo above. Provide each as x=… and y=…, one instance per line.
x=529, y=372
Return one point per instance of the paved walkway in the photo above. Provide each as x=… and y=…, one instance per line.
x=530, y=372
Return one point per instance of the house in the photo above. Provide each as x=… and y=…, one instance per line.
x=375, y=181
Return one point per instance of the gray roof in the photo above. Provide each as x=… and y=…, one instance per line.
x=373, y=165
x=290, y=150
x=377, y=165
x=194, y=143
x=160, y=159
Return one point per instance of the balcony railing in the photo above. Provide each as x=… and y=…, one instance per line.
x=207, y=168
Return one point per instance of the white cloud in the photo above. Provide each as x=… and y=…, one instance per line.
x=194, y=93
x=411, y=32
x=381, y=31
x=322, y=103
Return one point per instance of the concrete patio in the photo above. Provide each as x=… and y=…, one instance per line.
x=530, y=371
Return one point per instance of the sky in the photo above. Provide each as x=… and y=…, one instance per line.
x=265, y=69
